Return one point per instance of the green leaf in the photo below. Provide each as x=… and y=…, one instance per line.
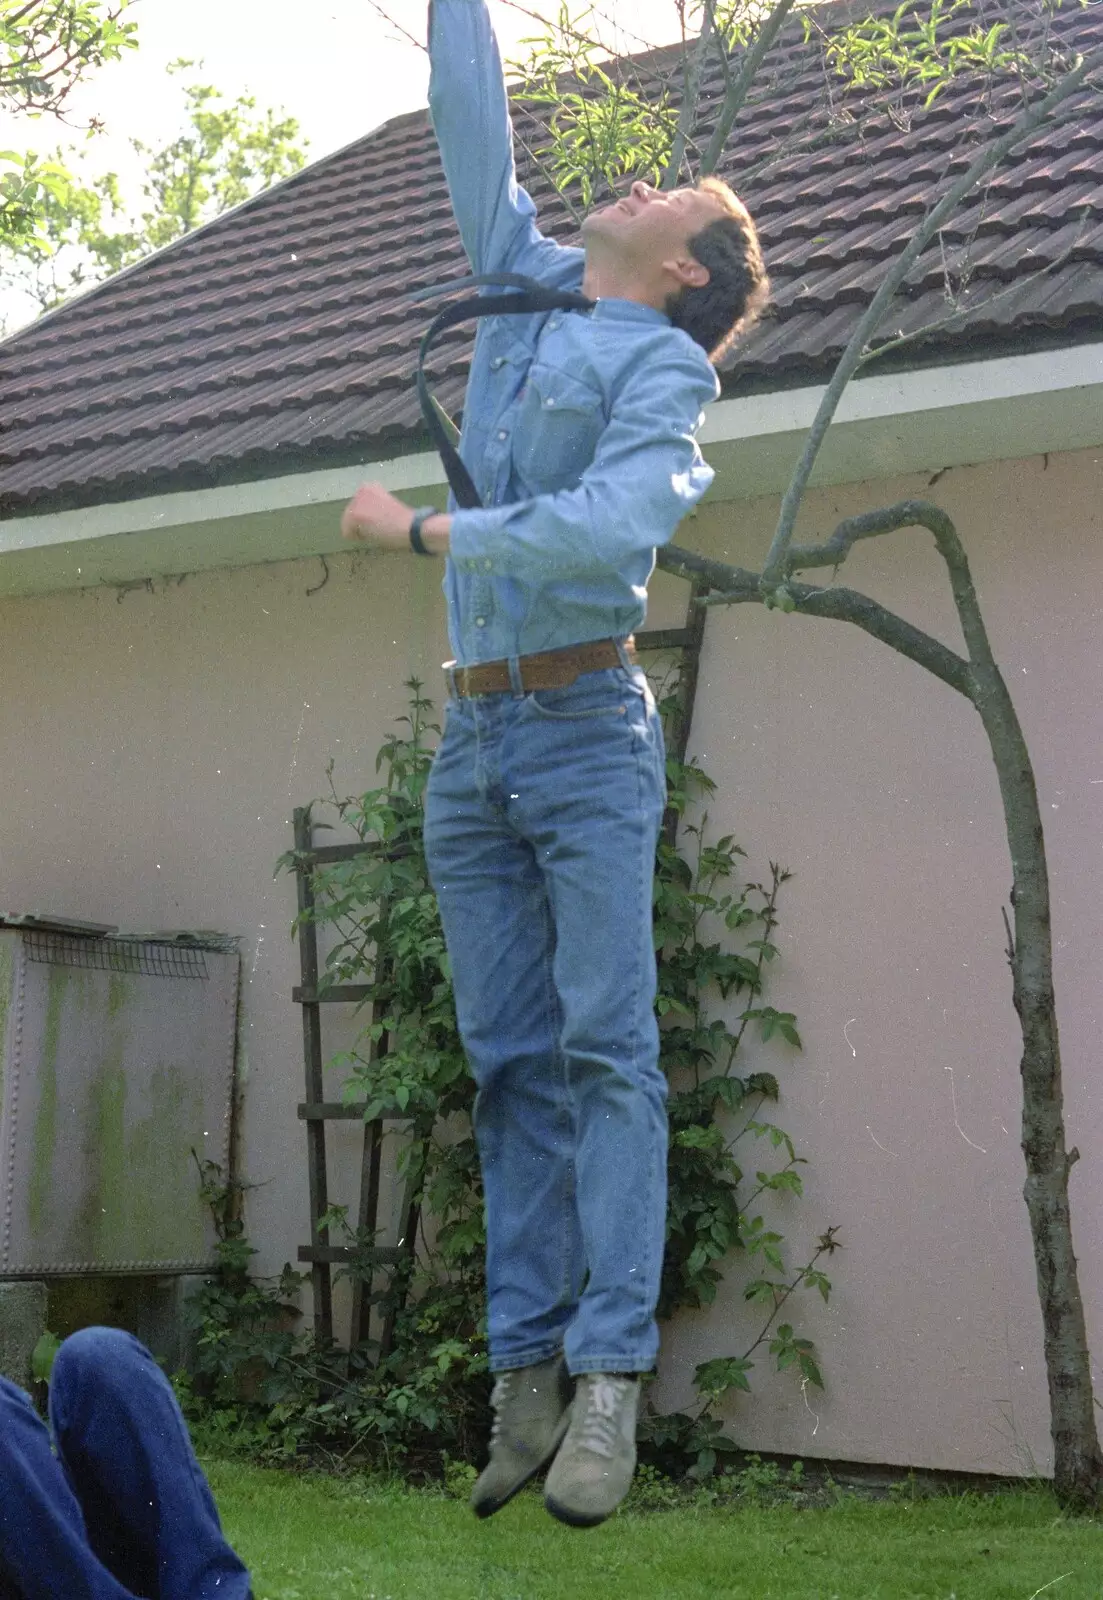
x=814, y=1279
x=716, y=1377
x=696, y=1138
x=768, y=951
x=42, y=1357
x=763, y=1083
x=762, y=1291
x=730, y=1092
x=785, y=1180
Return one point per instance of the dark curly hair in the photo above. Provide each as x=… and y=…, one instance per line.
x=717, y=314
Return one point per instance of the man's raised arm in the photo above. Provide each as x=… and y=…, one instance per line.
x=470, y=112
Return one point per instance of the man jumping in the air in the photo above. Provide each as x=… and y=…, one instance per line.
x=547, y=792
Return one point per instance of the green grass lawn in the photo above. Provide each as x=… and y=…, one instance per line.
x=318, y=1538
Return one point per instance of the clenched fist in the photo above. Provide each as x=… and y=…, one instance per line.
x=374, y=516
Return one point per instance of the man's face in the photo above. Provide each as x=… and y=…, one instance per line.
x=651, y=228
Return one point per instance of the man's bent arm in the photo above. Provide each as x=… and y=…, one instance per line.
x=648, y=472
x=470, y=112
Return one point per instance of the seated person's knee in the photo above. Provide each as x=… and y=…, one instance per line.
x=93, y=1354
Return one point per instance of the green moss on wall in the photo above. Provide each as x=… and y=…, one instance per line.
x=162, y=1200
x=118, y=992
x=127, y=1132
x=99, y=1222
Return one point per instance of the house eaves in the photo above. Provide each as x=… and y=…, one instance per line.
x=890, y=424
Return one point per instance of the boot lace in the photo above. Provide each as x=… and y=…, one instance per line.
x=600, y=1429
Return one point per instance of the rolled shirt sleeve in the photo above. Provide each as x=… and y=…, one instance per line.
x=647, y=473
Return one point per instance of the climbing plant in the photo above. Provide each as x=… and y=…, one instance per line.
x=714, y=937
x=714, y=934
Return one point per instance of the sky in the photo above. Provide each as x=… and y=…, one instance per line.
x=342, y=72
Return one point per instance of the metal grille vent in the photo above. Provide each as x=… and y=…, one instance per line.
x=115, y=955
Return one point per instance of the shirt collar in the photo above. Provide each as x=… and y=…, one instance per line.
x=610, y=309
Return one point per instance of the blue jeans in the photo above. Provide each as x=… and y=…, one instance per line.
x=123, y=1509
x=542, y=817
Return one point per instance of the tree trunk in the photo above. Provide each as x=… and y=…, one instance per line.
x=1078, y=1464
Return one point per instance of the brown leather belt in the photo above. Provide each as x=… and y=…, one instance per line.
x=549, y=669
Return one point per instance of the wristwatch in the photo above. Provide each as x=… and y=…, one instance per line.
x=416, y=541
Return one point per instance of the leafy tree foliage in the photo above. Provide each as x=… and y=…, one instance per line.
x=46, y=48
x=89, y=228
x=605, y=120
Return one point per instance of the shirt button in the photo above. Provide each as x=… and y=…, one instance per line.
x=499, y=361
x=480, y=622
x=550, y=401
x=487, y=565
x=502, y=433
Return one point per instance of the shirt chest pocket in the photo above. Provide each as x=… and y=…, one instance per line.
x=559, y=422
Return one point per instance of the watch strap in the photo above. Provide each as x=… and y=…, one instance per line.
x=416, y=541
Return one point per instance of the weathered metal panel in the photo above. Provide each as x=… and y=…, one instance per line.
x=117, y=1062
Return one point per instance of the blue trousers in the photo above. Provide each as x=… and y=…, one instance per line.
x=123, y=1509
x=542, y=818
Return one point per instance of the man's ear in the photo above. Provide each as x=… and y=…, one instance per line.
x=687, y=271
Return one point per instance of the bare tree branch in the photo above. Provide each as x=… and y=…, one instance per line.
x=958, y=274
x=908, y=514
x=848, y=605
x=691, y=94
x=642, y=73
x=614, y=23
x=738, y=90
x=774, y=568
x=721, y=49
x=708, y=574
x=956, y=311
x=405, y=32
x=20, y=16
x=737, y=586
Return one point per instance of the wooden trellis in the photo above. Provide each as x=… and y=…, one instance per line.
x=315, y=1111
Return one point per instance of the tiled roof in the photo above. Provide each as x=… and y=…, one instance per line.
x=276, y=339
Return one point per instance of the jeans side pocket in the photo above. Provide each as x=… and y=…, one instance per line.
x=611, y=695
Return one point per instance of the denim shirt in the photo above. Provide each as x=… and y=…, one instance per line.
x=579, y=429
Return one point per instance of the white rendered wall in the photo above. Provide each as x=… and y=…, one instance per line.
x=153, y=744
